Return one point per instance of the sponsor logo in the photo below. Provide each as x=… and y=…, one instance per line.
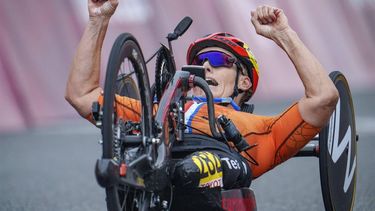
x=232, y=164
x=211, y=173
x=213, y=183
x=337, y=147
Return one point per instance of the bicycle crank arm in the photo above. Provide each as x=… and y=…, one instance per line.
x=107, y=172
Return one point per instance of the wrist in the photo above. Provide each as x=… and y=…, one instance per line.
x=99, y=20
x=285, y=38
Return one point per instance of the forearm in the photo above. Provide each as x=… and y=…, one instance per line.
x=320, y=93
x=83, y=83
x=313, y=76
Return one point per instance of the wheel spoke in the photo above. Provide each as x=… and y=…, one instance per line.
x=124, y=76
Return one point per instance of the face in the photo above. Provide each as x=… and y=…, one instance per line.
x=221, y=80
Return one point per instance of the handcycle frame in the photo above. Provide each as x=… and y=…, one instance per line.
x=155, y=160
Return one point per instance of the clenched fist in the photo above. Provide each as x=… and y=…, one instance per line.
x=102, y=8
x=269, y=21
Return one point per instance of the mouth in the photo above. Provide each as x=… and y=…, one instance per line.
x=212, y=82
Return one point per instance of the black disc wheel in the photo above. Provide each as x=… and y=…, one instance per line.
x=338, y=151
x=126, y=111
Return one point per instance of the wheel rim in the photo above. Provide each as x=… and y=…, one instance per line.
x=126, y=89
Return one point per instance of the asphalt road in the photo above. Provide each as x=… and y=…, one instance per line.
x=52, y=168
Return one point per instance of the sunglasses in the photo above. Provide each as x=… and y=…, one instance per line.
x=215, y=58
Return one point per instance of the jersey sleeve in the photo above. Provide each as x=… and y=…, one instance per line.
x=278, y=139
x=126, y=108
x=291, y=133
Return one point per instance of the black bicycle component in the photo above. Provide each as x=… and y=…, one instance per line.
x=195, y=70
x=232, y=134
x=248, y=108
x=311, y=149
x=165, y=66
x=97, y=113
x=107, y=172
x=178, y=31
x=201, y=83
x=131, y=140
x=180, y=28
x=126, y=78
x=180, y=119
x=338, y=151
x=164, y=70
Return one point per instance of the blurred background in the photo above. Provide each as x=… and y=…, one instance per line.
x=47, y=148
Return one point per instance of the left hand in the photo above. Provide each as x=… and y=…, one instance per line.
x=269, y=21
x=102, y=8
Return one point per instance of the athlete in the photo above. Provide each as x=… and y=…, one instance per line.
x=232, y=72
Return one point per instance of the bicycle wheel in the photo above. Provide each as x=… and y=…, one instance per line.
x=164, y=71
x=338, y=151
x=126, y=89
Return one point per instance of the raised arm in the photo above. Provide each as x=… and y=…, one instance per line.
x=321, y=95
x=83, y=83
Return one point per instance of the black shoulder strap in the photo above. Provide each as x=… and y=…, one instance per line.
x=249, y=108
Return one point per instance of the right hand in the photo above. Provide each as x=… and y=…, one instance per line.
x=102, y=8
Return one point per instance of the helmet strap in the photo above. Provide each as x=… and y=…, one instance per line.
x=235, y=88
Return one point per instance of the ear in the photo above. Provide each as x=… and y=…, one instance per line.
x=244, y=83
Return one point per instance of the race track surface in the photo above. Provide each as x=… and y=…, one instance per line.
x=52, y=168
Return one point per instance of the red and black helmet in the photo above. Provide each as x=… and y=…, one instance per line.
x=232, y=44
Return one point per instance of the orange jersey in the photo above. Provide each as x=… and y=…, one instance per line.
x=277, y=138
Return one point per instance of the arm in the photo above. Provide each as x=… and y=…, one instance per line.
x=83, y=83
x=321, y=95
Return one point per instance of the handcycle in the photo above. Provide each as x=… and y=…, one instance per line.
x=138, y=153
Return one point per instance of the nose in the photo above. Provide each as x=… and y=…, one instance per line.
x=207, y=67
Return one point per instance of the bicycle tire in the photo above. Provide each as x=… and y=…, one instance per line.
x=338, y=150
x=125, y=50
x=164, y=71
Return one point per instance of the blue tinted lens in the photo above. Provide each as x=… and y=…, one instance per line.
x=215, y=58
